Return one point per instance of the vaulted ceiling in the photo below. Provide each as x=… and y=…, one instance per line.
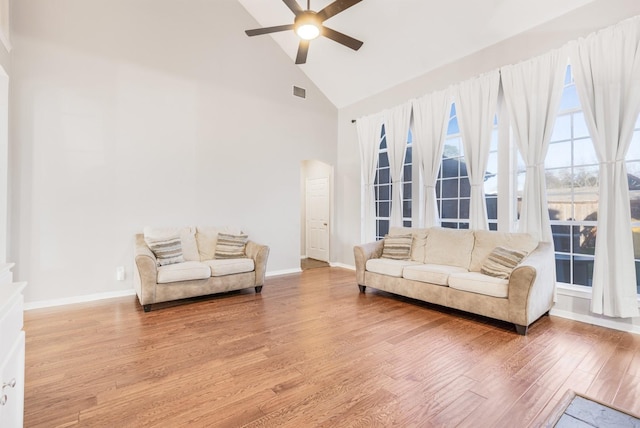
x=402, y=39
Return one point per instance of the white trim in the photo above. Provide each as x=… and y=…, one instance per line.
x=78, y=299
x=342, y=265
x=283, y=272
x=613, y=323
x=581, y=292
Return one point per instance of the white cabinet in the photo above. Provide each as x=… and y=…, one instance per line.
x=11, y=355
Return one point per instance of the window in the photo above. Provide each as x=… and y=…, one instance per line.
x=382, y=186
x=633, y=175
x=453, y=189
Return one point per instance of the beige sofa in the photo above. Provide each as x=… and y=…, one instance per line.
x=445, y=265
x=200, y=273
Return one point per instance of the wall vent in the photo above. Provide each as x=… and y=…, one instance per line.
x=299, y=92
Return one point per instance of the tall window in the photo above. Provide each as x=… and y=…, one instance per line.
x=382, y=185
x=633, y=171
x=453, y=188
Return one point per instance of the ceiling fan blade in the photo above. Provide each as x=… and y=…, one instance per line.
x=335, y=8
x=267, y=30
x=303, y=49
x=343, y=39
x=294, y=6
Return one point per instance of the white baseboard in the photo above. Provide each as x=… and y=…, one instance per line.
x=342, y=265
x=78, y=299
x=282, y=272
x=601, y=322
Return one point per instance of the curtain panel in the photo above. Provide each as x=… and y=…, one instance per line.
x=532, y=92
x=476, y=104
x=396, y=126
x=430, y=119
x=369, y=129
x=606, y=68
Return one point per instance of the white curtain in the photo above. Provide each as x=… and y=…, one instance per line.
x=606, y=68
x=532, y=91
x=369, y=129
x=476, y=102
x=430, y=119
x=396, y=127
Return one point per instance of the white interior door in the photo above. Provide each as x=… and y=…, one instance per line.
x=317, y=207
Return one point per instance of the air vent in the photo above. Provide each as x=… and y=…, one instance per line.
x=299, y=92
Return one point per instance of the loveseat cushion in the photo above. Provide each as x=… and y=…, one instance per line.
x=435, y=274
x=450, y=247
x=487, y=240
x=222, y=267
x=185, y=271
x=389, y=267
x=476, y=282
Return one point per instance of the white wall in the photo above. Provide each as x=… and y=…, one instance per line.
x=129, y=113
x=554, y=34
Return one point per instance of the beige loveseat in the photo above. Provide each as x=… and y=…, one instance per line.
x=199, y=272
x=445, y=266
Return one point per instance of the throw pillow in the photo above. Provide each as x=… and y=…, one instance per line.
x=501, y=262
x=167, y=250
x=230, y=246
x=397, y=247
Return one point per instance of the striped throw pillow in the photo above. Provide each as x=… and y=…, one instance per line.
x=230, y=246
x=501, y=262
x=167, y=250
x=397, y=247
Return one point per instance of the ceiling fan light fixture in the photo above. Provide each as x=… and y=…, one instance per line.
x=307, y=26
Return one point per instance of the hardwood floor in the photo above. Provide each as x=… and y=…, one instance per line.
x=312, y=351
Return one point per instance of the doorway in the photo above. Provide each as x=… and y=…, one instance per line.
x=316, y=187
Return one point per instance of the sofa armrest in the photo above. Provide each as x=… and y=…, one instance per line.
x=145, y=271
x=532, y=285
x=259, y=253
x=364, y=252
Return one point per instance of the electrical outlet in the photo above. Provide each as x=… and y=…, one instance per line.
x=120, y=273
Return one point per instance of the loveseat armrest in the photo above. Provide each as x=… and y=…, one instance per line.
x=532, y=285
x=364, y=252
x=145, y=271
x=259, y=253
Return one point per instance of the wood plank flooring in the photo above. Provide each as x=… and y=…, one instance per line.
x=312, y=351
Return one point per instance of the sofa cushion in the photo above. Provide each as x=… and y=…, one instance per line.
x=397, y=247
x=451, y=247
x=389, y=266
x=207, y=237
x=230, y=246
x=167, y=250
x=419, y=240
x=501, y=262
x=476, y=282
x=435, y=274
x=185, y=271
x=187, y=239
x=487, y=240
x=222, y=267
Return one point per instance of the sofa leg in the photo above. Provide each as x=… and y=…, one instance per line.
x=521, y=329
x=147, y=308
x=362, y=288
x=258, y=288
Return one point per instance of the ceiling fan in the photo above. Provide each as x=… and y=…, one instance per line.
x=308, y=25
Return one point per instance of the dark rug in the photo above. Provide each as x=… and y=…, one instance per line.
x=575, y=410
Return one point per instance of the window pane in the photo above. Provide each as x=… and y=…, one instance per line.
x=383, y=209
x=450, y=188
x=464, y=208
x=563, y=268
x=586, y=240
x=634, y=148
x=406, y=208
x=449, y=209
x=584, y=153
x=465, y=187
x=406, y=191
x=383, y=227
x=406, y=173
x=384, y=192
x=582, y=270
x=569, y=99
x=579, y=126
x=450, y=168
x=558, y=155
x=492, y=208
x=383, y=175
x=562, y=128
x=561, y=238
x=383, y=160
